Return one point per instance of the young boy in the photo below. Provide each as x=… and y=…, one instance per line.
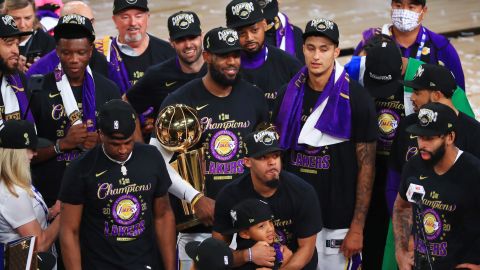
x=252, y=220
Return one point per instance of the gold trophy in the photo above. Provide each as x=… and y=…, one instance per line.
x=178, y=128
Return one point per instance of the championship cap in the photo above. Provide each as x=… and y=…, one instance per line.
x=183, y=24
x=243, y=13
x=261, y=142
x=383, y=69
x=434, y=119
x=8, y=27
x=117, y=119
x=73, y=26
x=249, y=212
x=433, y=77
x=221, y=41
x=20, y=134
x=210, y=254
x=121, y=5
x=270, y=9
x=322, y=27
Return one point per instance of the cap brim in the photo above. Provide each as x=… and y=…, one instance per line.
x=185, y=34
x=417, y=130
x=266, y=151
x=130, y=7
x=191, y=249
x=224, y=50
x=42, y=143
x=17, y=34
x=319, y=34
x=381, y=90
x=244, y=23
x=412, y=85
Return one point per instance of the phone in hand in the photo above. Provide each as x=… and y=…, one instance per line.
x=31, y=55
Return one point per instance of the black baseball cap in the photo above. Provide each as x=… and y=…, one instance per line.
x=20, y=134
x=117, y=119
x=433, y=77
x=183, y=24
x=383, y=69
x=249, y=212
x=414, y=2
x=434, y=119
x=242, y=13
x=73, y=26
x=322, y=27
x=210, y=254
x=261, y=142
x=8, y=27
x=221, y=40
x=270, y=9
x=121, y=5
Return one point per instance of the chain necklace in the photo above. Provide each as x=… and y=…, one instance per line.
x=123, y=169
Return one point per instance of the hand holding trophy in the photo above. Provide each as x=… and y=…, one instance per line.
x=178, y=128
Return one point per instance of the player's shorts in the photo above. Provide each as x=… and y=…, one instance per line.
x=329, y=255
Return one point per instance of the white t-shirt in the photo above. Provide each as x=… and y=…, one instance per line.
x=18, y=211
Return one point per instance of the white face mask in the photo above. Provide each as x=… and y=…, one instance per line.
x=405, y=20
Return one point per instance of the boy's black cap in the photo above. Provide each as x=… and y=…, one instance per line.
x=322, y=27
x=433, y=77
x=248, y=213
x=120, y=5
x=221, y=40
x=20, y=134
x=270, y=9
x=210, y=254
x=242, y=13
x=261, y=142
x=8, y=27
x=183, y=24
x=73, y=26
x=117, y=119
x=383, y=69
x=434, y=119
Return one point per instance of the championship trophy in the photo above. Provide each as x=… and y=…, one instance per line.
x=177, y=128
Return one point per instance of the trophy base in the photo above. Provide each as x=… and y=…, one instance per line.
x=188, y=224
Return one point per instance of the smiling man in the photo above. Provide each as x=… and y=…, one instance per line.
x=65, y=110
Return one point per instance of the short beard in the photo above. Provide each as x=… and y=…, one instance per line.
x=273, y=183
x=435, y=157
x=135, y=38
x=220, y=78
x=6, y=70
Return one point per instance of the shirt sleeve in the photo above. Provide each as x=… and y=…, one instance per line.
x=18, y=211
x=73, y=187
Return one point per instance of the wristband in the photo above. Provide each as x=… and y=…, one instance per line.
x=196, y=199
x=56, y=147
x=250, y=255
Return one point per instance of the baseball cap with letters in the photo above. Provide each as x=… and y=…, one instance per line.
x=183, y=24
x=210, y=254
x=8, y=27
x=322, y=27
x=261, y=142
x=249, y=212
x=434, y=119
x=433, y=77
x=221, y=40
x=73, y=26
x=121, y=5
x=243, y=13
x=270, y=8
x=117, y=119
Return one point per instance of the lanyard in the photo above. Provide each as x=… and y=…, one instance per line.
x=38, y=198
x=422, y=44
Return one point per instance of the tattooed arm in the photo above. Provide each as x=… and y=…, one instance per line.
x=353, y=242
x=402, y=229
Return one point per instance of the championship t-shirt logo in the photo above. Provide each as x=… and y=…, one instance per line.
x=243, y=10
x=183, y=21
x=224, y=145
x=126, y=209
x=73, y=19
x=8, y=20
x=427, y=116
x=229, y=36
x=387, y=122
x=322, y=24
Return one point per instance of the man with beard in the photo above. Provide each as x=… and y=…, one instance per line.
x=328, y=127
x=438, y=198
x=265, y=66
x=164, y=78
x=13, y=100
x=133, y=50
x=65, y=109
x=293, y=202
x=415, y=40
x=228, y=108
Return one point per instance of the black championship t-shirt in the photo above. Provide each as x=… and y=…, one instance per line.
x=405, y=146
x=450, y=215
x=52, y=123
x=277, y=71
x=294, y=206
x=332, y=170
x=117, y=230
x=271, y=39
x=17, y=115
x=39, y=44
x=156, y=52
x=159, y=81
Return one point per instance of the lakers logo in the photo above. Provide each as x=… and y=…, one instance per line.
x=126, y=210
x=432, y=224
x=388, y=123
x=224, y=145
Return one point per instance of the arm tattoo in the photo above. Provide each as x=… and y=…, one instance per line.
x=365, y=153
x=402, y=226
